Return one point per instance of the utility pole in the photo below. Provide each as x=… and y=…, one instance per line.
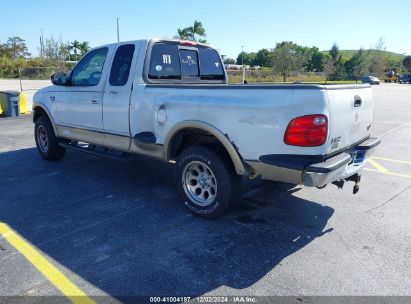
x=242, y=55
x=41, y=43
x=242, y=62
x=118, y=31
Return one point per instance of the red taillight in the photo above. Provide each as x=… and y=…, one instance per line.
x=188, y=43
x=307, y=131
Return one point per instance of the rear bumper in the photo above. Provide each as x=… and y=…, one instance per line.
x=315, y=171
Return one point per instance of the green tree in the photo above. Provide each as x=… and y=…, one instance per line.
x=317, y=60
x=14, y=48
x=329, y=68
x=3, y=50
x=84, y=47
x=379, y=60
x=262, y=58
x=242, y=58
x=194, y=33
x=246, y=58
x=407, y=63
x=229, y=61
x=358, y=65
x=75, y=47
x=64, y=50
x=334, y=68
x=183, y=34
x=288, y=57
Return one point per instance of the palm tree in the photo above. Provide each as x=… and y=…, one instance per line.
x=84, y=47
x=193, y=33
x=198, y=30
x=183, y=34
x=75, y=46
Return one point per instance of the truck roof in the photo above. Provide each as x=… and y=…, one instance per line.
x=152, y=40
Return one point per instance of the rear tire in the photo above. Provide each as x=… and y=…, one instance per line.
x=207, y=181
x=46, y=141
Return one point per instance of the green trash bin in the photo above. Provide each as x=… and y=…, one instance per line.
x=10, y=103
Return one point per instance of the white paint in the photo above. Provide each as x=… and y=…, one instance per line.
x=253, y=119
x=161, y=116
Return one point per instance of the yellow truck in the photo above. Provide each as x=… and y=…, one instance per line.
x=392, y=75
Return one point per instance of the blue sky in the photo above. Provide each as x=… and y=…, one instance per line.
x=229, y=24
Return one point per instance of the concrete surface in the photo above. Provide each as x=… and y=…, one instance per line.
x=29, y=88
x=119, y=228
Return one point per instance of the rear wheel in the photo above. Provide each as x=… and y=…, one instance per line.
x=207, y=181
x=46, y=141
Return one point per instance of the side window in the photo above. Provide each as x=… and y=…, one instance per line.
x=120, y=69
x=210, y=64
x=164, y=62
x=189, y=63
x=89, y=70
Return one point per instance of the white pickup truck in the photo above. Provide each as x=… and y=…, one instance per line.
x=170, y=100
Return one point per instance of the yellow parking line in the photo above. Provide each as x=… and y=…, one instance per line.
x=389, y=173
x=377, y=166
x=57, y=278
x=392, y=160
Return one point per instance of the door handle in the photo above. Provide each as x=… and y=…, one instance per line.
x=357, y=101
x=113, y=92
x=95, y=101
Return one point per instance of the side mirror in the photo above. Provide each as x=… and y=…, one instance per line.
x=59, y=78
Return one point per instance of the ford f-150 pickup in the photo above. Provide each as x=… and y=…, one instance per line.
x=171, y=100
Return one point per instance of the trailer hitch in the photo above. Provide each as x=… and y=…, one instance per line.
x=356, y=178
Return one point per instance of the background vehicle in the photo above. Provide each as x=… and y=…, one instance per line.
x=392, y=75
x=405, y=78
x=170, y=100
x=371, y=80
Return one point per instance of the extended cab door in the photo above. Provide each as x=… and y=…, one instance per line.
x=79, y=106
x=116, y=100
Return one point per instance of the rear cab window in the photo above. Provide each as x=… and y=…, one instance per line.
x=120, y=69
x=164, y=62
x=176, y=63
x=210, y=65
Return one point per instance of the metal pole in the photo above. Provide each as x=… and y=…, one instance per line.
x=41, y=43
x=242, y=62
x=118, y=31
x=242, y=55
x=21, y=86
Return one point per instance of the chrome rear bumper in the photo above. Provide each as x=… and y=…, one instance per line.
x=314, y=171
x=340, y=166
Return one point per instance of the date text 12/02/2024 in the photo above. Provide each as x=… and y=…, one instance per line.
x=204, y=299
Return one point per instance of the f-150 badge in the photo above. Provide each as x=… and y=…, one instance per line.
x=335, y=142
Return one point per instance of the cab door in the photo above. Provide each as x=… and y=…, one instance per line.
x=117, y=94
x=79, y=105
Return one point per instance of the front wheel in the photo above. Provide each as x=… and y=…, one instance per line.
x=46, y=141
x=207, y=181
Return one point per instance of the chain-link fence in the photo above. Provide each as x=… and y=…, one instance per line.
x=34, y=78
x=269, y=75
x=28, y=80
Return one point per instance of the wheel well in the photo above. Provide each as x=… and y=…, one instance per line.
x=192, y=137
x=38, y=112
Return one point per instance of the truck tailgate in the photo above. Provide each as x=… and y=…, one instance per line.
x=351, y=112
